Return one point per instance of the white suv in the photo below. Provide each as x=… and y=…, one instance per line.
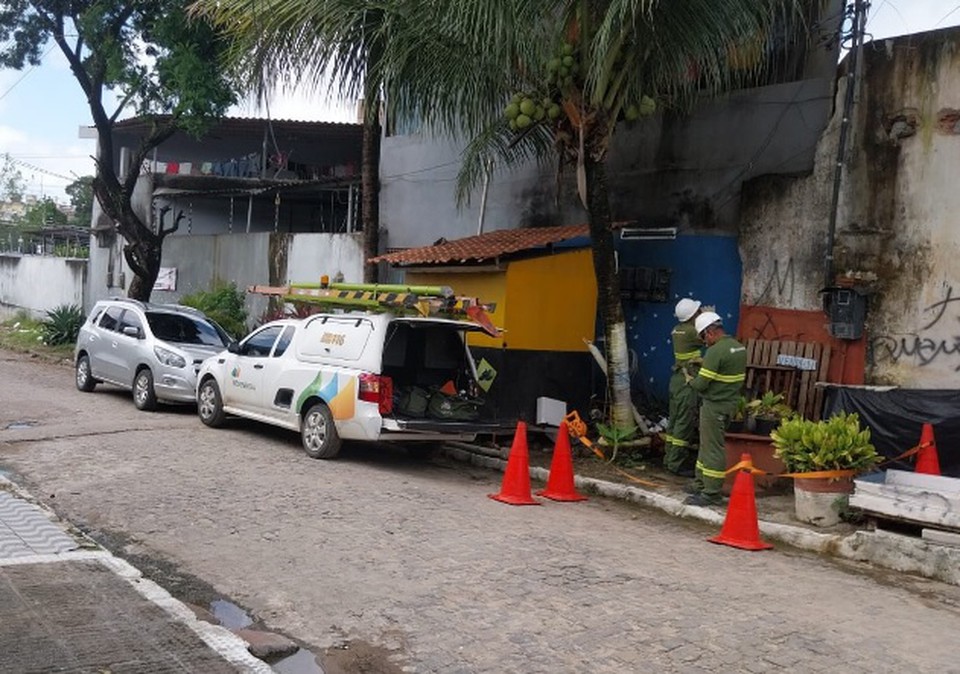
x=333, y=377
x=155, y=350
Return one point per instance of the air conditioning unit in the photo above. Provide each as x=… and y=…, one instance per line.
x=648, y=233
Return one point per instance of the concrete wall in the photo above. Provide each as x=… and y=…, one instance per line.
x=418, y=205
x=38, y=283
x=245, y=259
x=896, y=230
x=683, y=171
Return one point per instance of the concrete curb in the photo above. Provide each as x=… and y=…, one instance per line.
x=880, y=548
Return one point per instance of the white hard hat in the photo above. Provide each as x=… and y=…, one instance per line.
x=686, y=308
x=705, y=320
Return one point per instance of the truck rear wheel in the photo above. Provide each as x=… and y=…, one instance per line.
x=319, y=433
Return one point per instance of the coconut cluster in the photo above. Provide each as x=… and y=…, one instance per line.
x=563, y=71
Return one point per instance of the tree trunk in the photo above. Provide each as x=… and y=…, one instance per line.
x=370, y=184
x=142, y=248
x=144, y=260
x=608, y=295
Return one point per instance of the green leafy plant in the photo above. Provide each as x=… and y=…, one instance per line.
x=62, y=325
x=70, y=250
x=838, y=443
x=740, y=413
x=770, y=406
x=223, y=303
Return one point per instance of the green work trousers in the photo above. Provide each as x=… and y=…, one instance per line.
x=681, y=437
x=712, y=458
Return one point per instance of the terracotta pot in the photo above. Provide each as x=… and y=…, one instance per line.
x=842, y=486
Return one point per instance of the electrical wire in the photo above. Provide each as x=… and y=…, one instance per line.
x=26, y=73
x=947, y=16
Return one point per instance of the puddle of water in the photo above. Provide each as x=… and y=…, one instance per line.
x=229, y=614
x=19, y=425
x=233, y=617
x=301, y=662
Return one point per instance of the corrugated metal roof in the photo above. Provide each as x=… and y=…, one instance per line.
x=246, y=124
x=485, y=246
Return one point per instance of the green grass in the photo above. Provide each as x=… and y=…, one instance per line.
x=23, y=335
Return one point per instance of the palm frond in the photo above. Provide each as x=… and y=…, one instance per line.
x=497, y=147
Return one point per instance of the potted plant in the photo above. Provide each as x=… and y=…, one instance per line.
x=837, y=444
x=739, y=417
x=768, y=411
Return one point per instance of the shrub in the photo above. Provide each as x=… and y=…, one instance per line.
x=223, y=303
x=298, y=310
x=62, y=325
x=836, y=444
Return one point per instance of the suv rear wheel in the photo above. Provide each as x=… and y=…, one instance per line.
x=210, y=404
x=144, y=396
x=319, y=433
x=85, y=380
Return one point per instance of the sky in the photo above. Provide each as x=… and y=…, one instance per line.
x=42, y=109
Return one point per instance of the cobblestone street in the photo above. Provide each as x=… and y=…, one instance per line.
x=413, y=557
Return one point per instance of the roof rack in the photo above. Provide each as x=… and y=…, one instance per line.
x=438, y=301
x=130, y=300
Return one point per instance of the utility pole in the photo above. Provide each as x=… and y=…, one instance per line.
x=858, y=13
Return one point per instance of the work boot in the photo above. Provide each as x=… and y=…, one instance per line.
x=691, y=488
x=702, y=500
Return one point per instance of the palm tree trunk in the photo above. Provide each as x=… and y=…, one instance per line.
x=608, y=295
x=370, y=184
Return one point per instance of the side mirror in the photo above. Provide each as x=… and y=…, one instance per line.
x=233, y=347
x=132, y=331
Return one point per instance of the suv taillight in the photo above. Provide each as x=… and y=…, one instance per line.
x=377, y=389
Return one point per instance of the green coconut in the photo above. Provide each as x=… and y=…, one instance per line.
x=648, y=106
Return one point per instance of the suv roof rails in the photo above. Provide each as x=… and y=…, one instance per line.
x=127, y=299
x=180, y=307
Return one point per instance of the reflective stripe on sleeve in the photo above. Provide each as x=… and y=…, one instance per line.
x=689, y=355
x=676, y=441
x=723, y=378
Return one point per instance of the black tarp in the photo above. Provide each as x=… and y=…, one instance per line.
x=896, y=417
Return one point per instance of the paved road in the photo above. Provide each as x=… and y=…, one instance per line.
x=414, y=558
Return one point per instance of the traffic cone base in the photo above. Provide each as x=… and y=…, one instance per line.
x=560, y=486
x=741, y=528
x=928, y=461
x=515, y=489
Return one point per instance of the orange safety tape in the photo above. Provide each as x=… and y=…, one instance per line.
x=822, y=474
x=578, y=430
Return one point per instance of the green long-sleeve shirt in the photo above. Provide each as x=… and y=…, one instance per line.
x=724, y=368
x=686, y=343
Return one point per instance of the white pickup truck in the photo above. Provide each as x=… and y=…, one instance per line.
x=332, y=377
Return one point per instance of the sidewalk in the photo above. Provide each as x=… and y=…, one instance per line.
x=67, y=605
x=774, y=508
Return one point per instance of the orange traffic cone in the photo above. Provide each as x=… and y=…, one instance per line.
x=516, y=478
x=927, y=459
x=560, y=485
x=740, y=528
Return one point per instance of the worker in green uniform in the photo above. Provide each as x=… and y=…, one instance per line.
x=719, y=383
x=681, y=437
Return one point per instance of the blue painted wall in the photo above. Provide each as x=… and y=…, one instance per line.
x=706, y=268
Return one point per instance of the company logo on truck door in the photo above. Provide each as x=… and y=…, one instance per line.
x=335, y=338
x=338, y=391
x=239, y=383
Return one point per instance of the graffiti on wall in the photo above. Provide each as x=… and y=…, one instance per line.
x=780, y=285
x=768, y=328
x=923, y=347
